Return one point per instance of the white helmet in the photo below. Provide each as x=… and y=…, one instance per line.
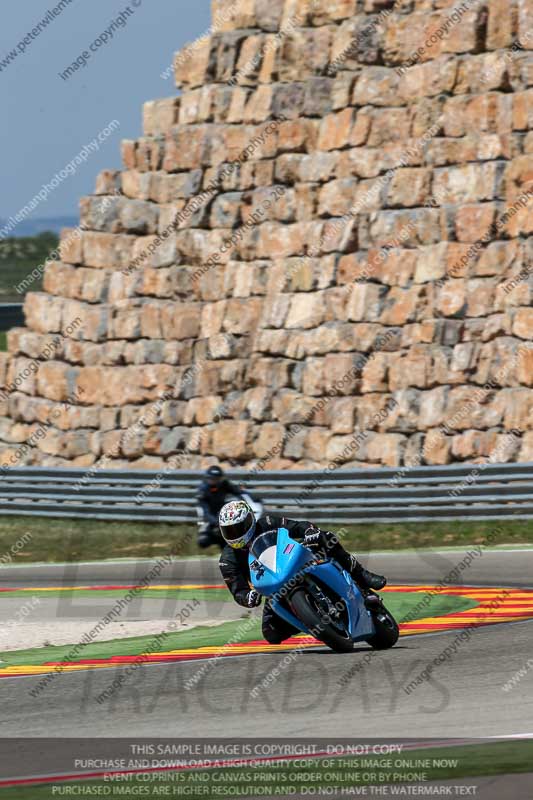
x=237, y=523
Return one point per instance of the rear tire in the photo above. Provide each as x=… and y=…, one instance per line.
x=303, y=606
x=387, y=631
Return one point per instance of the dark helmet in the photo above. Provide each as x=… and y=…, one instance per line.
x=214, y=476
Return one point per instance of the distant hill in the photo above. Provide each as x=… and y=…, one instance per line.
x=18, y=258
x=33, y=227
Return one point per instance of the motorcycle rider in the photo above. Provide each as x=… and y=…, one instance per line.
x=239, y=528
x=213, y=493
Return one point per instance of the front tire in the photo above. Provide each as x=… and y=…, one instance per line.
x=387, y=631
x=304, y=606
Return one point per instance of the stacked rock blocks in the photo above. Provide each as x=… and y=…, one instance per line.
x=319, y=253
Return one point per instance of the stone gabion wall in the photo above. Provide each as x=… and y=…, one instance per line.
x=319, y=253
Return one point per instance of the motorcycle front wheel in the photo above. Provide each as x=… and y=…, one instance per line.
x=317, y=620
x=387, y=631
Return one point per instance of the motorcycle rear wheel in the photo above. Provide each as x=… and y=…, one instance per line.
x=304, y=607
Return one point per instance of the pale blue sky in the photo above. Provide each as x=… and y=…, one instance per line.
x=47, y=121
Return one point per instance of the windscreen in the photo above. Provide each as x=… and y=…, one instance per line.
x=263, y=542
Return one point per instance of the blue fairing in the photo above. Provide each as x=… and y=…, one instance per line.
x=277, y=564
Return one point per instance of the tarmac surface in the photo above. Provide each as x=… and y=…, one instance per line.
x=315, y=693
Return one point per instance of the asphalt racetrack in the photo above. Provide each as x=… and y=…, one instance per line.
x=316, y=693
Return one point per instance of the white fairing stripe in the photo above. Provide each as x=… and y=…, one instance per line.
x=269, y=558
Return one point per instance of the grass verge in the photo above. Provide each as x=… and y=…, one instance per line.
x=400, y=604
x=58, y=540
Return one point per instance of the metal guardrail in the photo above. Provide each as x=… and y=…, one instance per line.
x=421, y=494
x=11, y=316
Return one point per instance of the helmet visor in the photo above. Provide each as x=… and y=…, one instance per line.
x=236, y=533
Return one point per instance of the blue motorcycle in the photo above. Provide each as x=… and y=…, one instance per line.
x=316, y=596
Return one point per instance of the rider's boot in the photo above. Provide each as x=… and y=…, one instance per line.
x=364, y=578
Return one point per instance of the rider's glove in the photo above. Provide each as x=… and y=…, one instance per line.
x=250, y=599
x=314, y=540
